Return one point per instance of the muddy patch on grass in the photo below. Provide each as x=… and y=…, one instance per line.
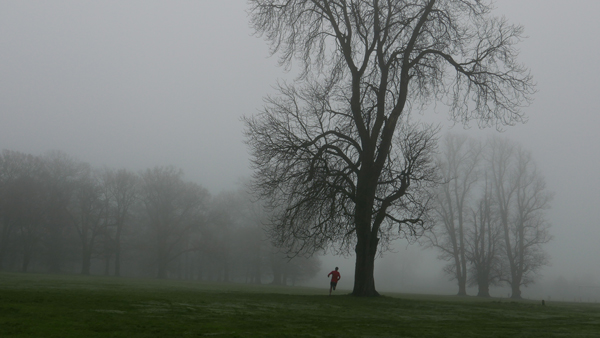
x=110, y=311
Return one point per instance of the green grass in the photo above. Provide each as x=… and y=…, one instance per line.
x=75, y=306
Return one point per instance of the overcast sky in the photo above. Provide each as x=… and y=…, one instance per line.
x=136, y=84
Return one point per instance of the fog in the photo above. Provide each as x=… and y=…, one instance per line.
x=138, y=84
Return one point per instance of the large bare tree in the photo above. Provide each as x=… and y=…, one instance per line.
x=335, y=151
x=458, y=165
x=522, y=200
x=484, y=240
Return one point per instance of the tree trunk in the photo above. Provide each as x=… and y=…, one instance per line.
x=516, y=291
x=461, y=276
x=276, y=269
x=462, y=286
x=484, y=291
x=483, y=285
x=364, y=282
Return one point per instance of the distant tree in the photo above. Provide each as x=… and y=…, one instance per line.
x=484, y=241
x=250, y=251
x=458, y=165
x=301, y=269
x=9, y=173
x=60, y=176
x=254, y=255
x=21, y=204
x=522, y=200
x=291, y=270
x=252, y=247
x=278, y=262
x=217, y=235
x=491, y=214
x=173, y=208
x=32, y=193
x=122, y=189
x=335, y=153
x=88, y=211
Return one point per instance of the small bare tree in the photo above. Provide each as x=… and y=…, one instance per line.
x=335, y=152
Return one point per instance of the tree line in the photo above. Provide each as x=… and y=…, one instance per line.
x=58, y=214
x=490, y=214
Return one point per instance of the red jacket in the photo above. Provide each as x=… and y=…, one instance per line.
x=335, y=276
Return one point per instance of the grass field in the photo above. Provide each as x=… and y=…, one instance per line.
x=76, y=306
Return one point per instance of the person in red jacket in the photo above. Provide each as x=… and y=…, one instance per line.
x=335, y=277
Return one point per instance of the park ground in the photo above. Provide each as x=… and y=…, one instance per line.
x=33, y=305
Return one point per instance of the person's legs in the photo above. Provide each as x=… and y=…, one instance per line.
x=332, y=286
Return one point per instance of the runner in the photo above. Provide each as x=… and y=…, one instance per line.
x=335, y=277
